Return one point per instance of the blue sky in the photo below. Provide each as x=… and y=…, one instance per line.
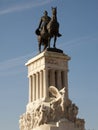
x=18, y=43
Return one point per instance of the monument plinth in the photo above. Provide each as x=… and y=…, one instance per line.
x=44, y=70
x=49, y=106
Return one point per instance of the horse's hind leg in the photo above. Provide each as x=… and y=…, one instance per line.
x=49, y=39
x=45, y=46
x=54, y=41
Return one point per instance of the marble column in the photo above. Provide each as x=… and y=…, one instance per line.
x=37, y=85
x=41, y=83
x=52, y=77
x=65, y=81
x=59, y=84
x=30, y=89
x=34, y=87
x=45, y=83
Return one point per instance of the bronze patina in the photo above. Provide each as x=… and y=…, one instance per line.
x=48, y=28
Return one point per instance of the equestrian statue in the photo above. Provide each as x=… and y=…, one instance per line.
x=48, y=28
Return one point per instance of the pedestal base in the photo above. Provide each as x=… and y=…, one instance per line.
x=49, y=106
x=61, y=125
x=54, y=50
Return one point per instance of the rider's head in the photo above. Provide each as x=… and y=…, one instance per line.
x=45, y=12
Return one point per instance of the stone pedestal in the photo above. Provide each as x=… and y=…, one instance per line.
x=61, y=125
x=44, y=70
x=49, y=106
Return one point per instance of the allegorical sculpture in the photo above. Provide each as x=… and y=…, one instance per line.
x=53, y=109
x=47, y=29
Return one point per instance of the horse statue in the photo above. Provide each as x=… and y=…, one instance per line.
x=53, y=27
x=48, y=28
x=43, y=38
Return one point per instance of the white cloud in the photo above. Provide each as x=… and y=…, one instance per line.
x=23, y=6
x=77, y=41
x=15, y=65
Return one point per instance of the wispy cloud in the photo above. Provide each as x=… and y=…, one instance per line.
x=80, y=41
x=15, y=65
x=23, y=5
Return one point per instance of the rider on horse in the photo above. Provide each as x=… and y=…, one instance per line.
x=43, y=22
x=48, y=28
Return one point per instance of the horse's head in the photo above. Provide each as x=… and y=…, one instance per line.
x=54, y=10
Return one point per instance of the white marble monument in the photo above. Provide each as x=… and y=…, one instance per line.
x=49, y=106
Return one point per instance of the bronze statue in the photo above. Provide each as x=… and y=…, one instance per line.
x=48, y=28
x=53, y=27
x=44, y=20
x=42, y=31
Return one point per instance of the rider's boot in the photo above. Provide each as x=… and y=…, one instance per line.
x=59, y=35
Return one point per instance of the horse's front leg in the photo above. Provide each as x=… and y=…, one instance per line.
x=54, y=41
x=39, y=47
x=49, y=39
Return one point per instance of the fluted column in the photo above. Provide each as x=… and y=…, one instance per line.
x=52, y=77
x=30, y=89
x=59, y=79
x=34, y=87
x=37, y=85
x=41, y=83
x=45, y=83
x=65, y=81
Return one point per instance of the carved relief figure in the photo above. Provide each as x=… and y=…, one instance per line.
x=49, y=110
